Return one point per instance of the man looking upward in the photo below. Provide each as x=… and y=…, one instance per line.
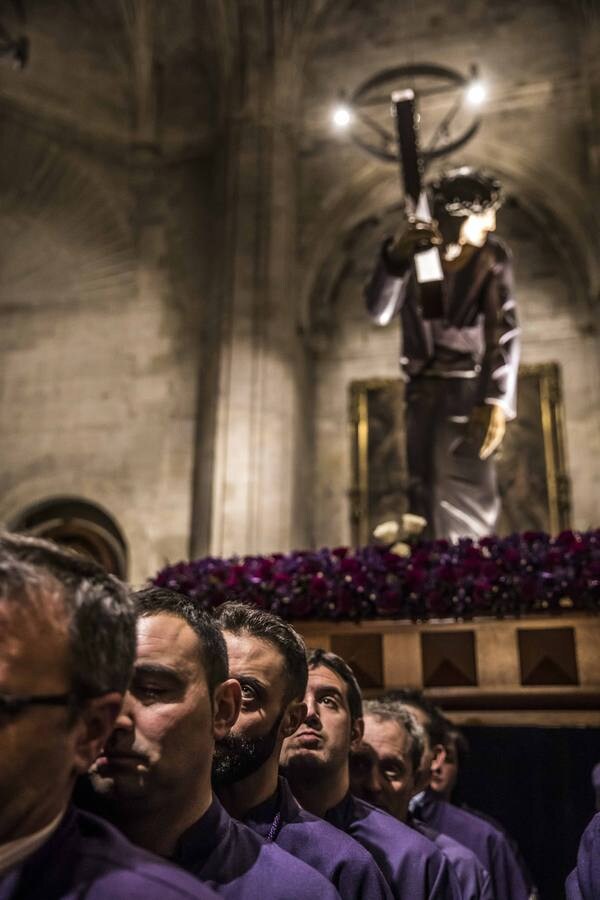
x=268, y=658
x=155, y=771
x=315, y=761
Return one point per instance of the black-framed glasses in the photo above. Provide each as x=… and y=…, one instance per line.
x=13, y=704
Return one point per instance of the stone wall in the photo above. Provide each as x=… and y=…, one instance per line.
x=151, y=358
x=100, y=300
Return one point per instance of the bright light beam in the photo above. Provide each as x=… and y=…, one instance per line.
x=342, y=116
x=476, y=93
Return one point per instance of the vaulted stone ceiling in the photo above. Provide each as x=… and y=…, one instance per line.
x=113, y=71
x=540, y=131
x=117, y=71
x=111, y=75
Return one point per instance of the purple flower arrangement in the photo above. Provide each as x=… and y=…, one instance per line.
x=521, y=574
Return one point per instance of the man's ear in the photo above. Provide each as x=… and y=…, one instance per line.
x=357, y=732
x=227, y=702
x=94, y=726
x=295, y=715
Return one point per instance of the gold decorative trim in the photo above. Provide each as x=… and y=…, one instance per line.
x=552, y=415
x=359, y=423
x=552, y=421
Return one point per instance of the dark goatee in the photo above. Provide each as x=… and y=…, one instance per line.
x=236, y=757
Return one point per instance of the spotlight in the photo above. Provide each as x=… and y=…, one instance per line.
x=342, y=116
x=476, y=93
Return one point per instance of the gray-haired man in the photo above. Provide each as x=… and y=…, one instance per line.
x=67, y=642
x=394, y=773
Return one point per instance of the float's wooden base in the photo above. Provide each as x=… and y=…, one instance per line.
x=532, y=671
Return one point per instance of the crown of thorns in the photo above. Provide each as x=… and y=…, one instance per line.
x=467, y=191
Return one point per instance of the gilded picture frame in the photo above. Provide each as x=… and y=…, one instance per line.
x=532, y=470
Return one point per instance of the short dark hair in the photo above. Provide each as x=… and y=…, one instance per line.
x=244, y=618
x=334, y=662
x=98, y=609
x=436, y=724
x=395, y=712
x=461, y=744
x=152, y=601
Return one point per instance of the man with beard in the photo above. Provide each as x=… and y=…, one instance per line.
x=387, y=772
x=268, y=658
x=488, y=843
x=155, y=771
x=315, y=761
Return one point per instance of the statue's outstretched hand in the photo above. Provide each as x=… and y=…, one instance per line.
x=416, y=235
x=491, y=420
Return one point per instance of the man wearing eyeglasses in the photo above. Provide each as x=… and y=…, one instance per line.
x=67, y=642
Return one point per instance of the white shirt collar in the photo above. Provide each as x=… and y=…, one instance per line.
x=13, y=853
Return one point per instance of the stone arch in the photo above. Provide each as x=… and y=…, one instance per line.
x=32, y=488
x=68, y=269
x=65, y=222
x=80, y=525
x=373, y=195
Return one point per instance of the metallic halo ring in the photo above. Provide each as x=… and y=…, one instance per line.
x=385, y=150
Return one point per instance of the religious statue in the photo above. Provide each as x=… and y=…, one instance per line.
x=461, y=366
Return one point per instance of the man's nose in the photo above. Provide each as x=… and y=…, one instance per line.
x=375, y=782
x=124, y=723
x=312, y=712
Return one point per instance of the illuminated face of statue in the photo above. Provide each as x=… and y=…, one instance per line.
x=476, y=227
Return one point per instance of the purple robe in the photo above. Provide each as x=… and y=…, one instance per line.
x=584, y=881
x=341, y=860
x=87, y=857
x=480, y=326
x=512, y=843
x=487, y=843
x=414, y=868
x=238, y=864
x=473, y=880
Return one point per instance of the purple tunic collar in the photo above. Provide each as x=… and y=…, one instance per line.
x=412, y=865
x=268, y=818
x=86, y=854
x=487, y=843
x=236, y=862
x=343, y=861
x=198, y=843
x=473, y=880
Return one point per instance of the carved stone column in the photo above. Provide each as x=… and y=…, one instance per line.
x=251, y=490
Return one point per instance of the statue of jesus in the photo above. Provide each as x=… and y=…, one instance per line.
x=460, y=369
